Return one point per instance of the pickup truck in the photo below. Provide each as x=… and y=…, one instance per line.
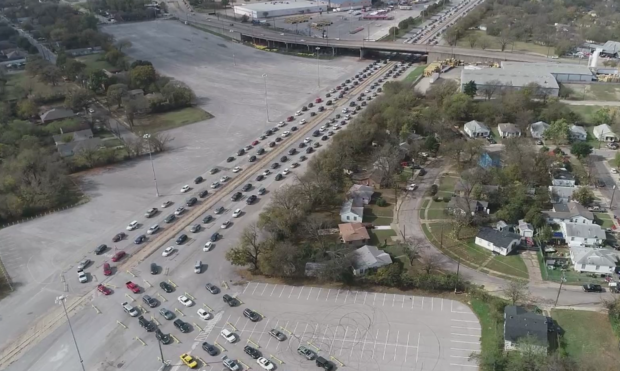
x=133, y=287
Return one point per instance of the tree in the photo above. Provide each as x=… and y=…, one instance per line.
x=558, y=132
x=490, y=88
x=178, y=94
x=584, y=196
x=142, y=76
x=124, y=43
x=431, y=144
x=140, y=62
x=484, y=42
x=26, y=109
x=581, y=149
x=97, y=81
x=78, y=99
x=50, y=74
x=458, y=107
x=603, y=116
x=516, y=291
x=430, y=262
x=130, y=112
x=249, y=250
x=472, y=39
x=73, y=68
x=505, y=38
x=470, y=88
x=544, y=235
x=115, y=94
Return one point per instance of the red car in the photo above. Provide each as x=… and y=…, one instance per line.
x=133, y=287
x=107, y=271
x=318, y=100
x=104, y=290
x=118, y=256
x=290, y=118
x=255, y=142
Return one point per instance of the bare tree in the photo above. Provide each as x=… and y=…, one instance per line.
x=159, y=141
x=505, y=38
x=134, y=146
x=490, y=88
x=516, y=291
x=130, y=113
x=412, y=247
x=484, y=42
x=472, y=39
x=387, y=162
x=430, y=262
x=124, y=43
x=313, y=228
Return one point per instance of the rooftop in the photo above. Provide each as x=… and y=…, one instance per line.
x=476, y=125
x=498, y=238
x=520, y=323
x=563, y=174
x=583, y=231
x=543, y=67
x=278, y=5
x=569, y=210
x=367, y=256
x=508, y=128
x=511, y=78
x=588, y=256
x=353, y=205
x=353, y=232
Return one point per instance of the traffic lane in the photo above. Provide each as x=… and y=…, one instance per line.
x=602, y=173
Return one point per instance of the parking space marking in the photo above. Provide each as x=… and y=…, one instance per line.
x=270, y=337
x=463, y=320
x=302, y=290
x=328, y=291
x=261, y=294
x=386, y=342
x=412, y=301
x=374, y=346
x=253, y=329
x=289, y=294
x=274, y=289
x=317, y=294
x=393, y=300
x=280, y=342
x=466, y=328
x=375, y=298
x=452, y=333
x=465, y=350
x=365, y=295
x=465, y=342
x=254, y=289
x=397, y=344
x=442, y=304
x=263, y=332
x=246, y=287
x=466, y=357
x=384, y=296
x=422, y=307
x=456, y=364
x=354, y=343
x=365, y=337
x=417, y=349
x=346, y=297
x=407, y=347
x=283, y=287
x=309, y=293
x=301, y=339
x=355, y=299
x=334, y=339
x=337, y=294
x=432, y=304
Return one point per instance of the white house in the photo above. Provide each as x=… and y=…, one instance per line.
x=561, y=195
x=571, y=212
x=520, y=323
x=562, y=178
x=501, y=242
x=537, y=129
x=578, y=133
x=525, y=229
x=352, y=211
x=583, y=235
x=588, y=260
x=369, y=257
x=508, y=130
x=476, y=129
x=604, y=133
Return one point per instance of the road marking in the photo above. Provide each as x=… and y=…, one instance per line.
x=253, y=328
x=246, y=287
x=386, y=342
x=442, y=304
x=289, y=294
x=270, y=337
x=304, y=334
x=466, y=350
x=466, y=328
x=465, y=342
x=407, y=347
x=317, y=294
x=417, y=349
x=334, y=339
x=422, y=303
x=298, y=296
x=343, y=339
x=263, y=332
x=254, y=289
x=464, y=334
x=366, y=294
x=456, y=364
x=412, y=301
x=393, y=300
x=466, y=357
x=309, y=294
x=355, y=300
x=373, y=300
x=384, y=296
x=397, y=345
x=345, y=298
x=338, y=293
x=363, y=346
x=373, y=348
x=353, y=346
x=463, y=320
x=403, y=304
x=261, y=294
x=295, y=329
x=274, y=289
x=432, y=304
x=283, y=287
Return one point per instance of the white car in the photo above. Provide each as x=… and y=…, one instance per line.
x=614, y=171
x=224, y=178
x=322, y=129
x=236, y=213
x=266, y=172
x=236, y=169
x=91, y=110
x=298, y=113
x=215, y=185
x=180, y=210
x=133, y=225
x=166, y=204
x=225, y=224
x=82, y=276
x=204, y=314
x=208, y=246
x=229, y=336
x=345, y=110
x=153, y=229
x=307, y=140
x=168, y=251
x=285, y=172
x=185, y=301
x=285, y=134
x=412, y=187
x=265, y=363
x=303, y=121
x=281, y=124
x=185, y=188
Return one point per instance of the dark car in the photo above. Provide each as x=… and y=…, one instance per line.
x=101, y=249
x=279, y=177
x=166, y=313
x=246, y=187
x=309, y=150
x=272, y=144
x=230, y=159
x=325, y=364
x=191, y=202
x=324, y=137
x=260, y=151
x=252, y=158
x=328, y=103
x=198, y=180
x=283, y=159
x=151, y=302
x=421, y=172
x=600, y=183
x=275, y=165
x=146, y=324
x=592, y=288
x=316, y=145
x=291, y=151
x=236, y=196
x=210, y=349
x=302, y=145
x=230, y=300
x=312, y=114
x=182, y=238
x=293, y=128
x=212, y=288
x=268, y=132
x=203, y=194
x=154, y=268
x=164, y=338
x=250, y=200
x=260, y=177
x=252, y=315
x=310, y=105
x=214, y=237
x=321, y=109
x=182, y=326
x=207, y=219
x=302, y=158
x=262, y=191
x=141, y=238
x=252, y=352
x=119, y=236
x=352, y=104
x=168, y=288
x=170, y=218
x=316, y=133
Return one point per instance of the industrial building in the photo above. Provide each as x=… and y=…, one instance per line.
x=280, y=8
x=344, y=5
x=499, y=79
x=562, y=72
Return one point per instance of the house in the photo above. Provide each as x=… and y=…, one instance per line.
x=583, y=235
x=600, y=261
x=577, y=133
x=525, y=229
x=561, y=195
x=463, y=188
x=537, y=129
x=476, y=129
x=56, y=114
x=353, y=234
x=502, y=226
x=490, y=160
x=501, y=242
x=75, y=147
x=369, y=257
x=361, y=192
x=463, y=206
x=604, y=133
x=520, y=324
x=571, y=212
x=73, y=136
x=562, y=178
x=508, y=130
x=352, y=211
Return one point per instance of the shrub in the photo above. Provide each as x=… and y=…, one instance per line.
x=446, y=199
x=437, y=199
x=433, y=189
x=381, y=202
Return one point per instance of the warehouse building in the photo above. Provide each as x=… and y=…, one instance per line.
x=280, y=8
x=562, y=72
x=344, y=5
x=498, y=79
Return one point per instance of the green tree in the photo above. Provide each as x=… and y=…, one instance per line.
x=470, y=88
x=115, y=94
x=558, y=132
x=250, y=249
x=544, y=234
x=50, y=74
x=581, y=149
x=602, y=116
x=73, y=68
x=97, y=81
x=584, y=196
x=27, y=109
x=178, y=94
x=142, y=76
x=457, y=107
x=78, y=99
x=431, y=144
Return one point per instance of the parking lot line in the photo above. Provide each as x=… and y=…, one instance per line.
x=261, y=294
x=274, y=289
x=466, y=350
x=327, y=297
x=301, y=338
x=317, y=294
x=386, y=342
x=463, y=320
x=254, y=289
x=407, y=347
x=365, y=295
x=290, y=293
x=432, y=304
x=253, y=328
x=417, y=349
x=466, y=357
x=309, y=293
x=355, y=299
x=412, y=301
x=384, y=296
x=298, y=296
x=466, y=328
x=270, y=337
x=456, y=364
x=375, y=298
x=465, y=342
x=422, y=303
x=374, y=346
x=442, y=304
x=344, y=338
x=346, y=296
x=364, y=345
x=337, y=294
x=283, y=287
x=353, y=346
x=334, y=339
x=263, y=332
x=397, y=344
x=393, y=300
x=464, y=334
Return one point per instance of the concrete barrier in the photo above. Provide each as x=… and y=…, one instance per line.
x=178, y=311
x=96, y=309
x=277, y=359
x=121, y=323
x=140, y=340
x=336, y=360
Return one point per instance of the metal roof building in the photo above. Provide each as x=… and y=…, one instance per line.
x=280, y=8
x=562, y=72
x=508, y=79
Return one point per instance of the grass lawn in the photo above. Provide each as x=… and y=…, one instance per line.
x=586, y=112
x=413, y=75
x=446, y=183
x=95, y=62
x=423, y=208
x=20, y=83
x=496, y=135
x=113, y=143
x=603, y=220
x=600, y=92
x=379, y=237
x=436, y=214
x=494, y=44
x=580, y=341
x=489, y=328
x=172, y=119
x=511, y=264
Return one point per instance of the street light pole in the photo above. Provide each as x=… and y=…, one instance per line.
x=147, y=137
x=266, y=105
x=318, y=67
x=61, y=300
x=612, y=196
x=560, y=289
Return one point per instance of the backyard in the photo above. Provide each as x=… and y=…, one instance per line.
x=586, y=112
x=380, y=215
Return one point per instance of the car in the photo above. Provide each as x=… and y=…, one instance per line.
x=103, y=289
x=166, y=313
x=293, y=128
x=203, y=193
x=168, y=288
x=250, y=200
x=107, y=270
x=303, y=158
x=182, y=238
x=236, y=196
x=213, y=170
x=328, y=103
x=285, y=134
x=168, y=251
x=191, y=202
x=224, y=178
x=195, y=228
x=198, y=180
x=600, y=183
x=251, y=315
x=286, y=172
x=117, y=237
x=202, y=313
x=130, y=309
x=592, y=288
x=309, y=150
x=412, y=187
x=240, y=152
x=262, y=191
x=118, y=256
x=236, y=169
x=163, y=338
x=279, y=177
x=141, y=238
x=84, y=263
x=275, y=129
x=302, y=350
x=210, y=349
x=260, y=151
x=132, y=287
x=230, y=159
x=212, y=288
x=146, y=324
x=325, y=364
x=153, y=229
x=275, y=165
x=236, y=213
x=185, y=189
x=252, y=158
x=170, y=218
x=219, y=210
x=226, y=224
x=255, y=142
x=259, y=177
x=151, y=302
x=182, y=326
x=252, y=352
x=317, y=100
x=265, y=363
x=281, y=124
x=246, y=187
x=180, y=210
x=133, y=225
x=312, y=114
x=189, y=360
x=229, y=336
x=230, y=363
x=154, y=268
x=150, y=212
x=321, y=109
x=277, y=334
x=82, y=276
x=278, y=140
x=185, y=301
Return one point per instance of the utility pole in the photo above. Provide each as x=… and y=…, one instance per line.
x=458, y=268
x=612, y=196
x=61, y=300
x=147, y=137
x=560, y=289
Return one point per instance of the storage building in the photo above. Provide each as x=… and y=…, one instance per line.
x=498, y=79
x=567, y=72
x=280, y=8
x=345, y=5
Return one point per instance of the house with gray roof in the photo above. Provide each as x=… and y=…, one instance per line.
x=463, y=206
x=577, y=133
x=361, y=192
x=352, y=210
x=563, y=178
x=537, y=129
x=56, y=114
x=463, y=188
x=476, y=129
x=525, y=229
x=572, y=212
x=75, y=147
x=75, y=136
x=604, y=133
x=520, y=324
x=507, y=130
x=600, y=261
x=501, y=242
x=369, y=257
x=561, y=195
x=583, y=235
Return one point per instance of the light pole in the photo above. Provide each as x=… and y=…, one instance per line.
x=61, y=300
x=266, y=105
x=147, y=137
x=234, y=62
x=318, y=68
x=612, y=196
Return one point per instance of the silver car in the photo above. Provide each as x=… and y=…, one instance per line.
x=83, y=264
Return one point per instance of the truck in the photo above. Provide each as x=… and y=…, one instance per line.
x=133, y=287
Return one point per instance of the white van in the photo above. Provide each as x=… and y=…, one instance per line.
x=198, y=267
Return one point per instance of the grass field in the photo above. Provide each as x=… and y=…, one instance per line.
x=600, y=92
x=490, y=329
x=379, y=215
x=586, y=112
x=511, y=264
x=413, y=75
x=20, y=84
x=604, y=220
x=494, y=44
x=172, y=119
x=95, y=62
x=380, y=237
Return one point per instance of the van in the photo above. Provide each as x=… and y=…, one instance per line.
x=198, y=267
